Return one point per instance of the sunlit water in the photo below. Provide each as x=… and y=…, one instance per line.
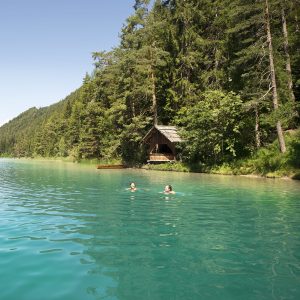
x=73, y=232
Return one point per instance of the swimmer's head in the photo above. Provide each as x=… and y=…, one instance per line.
x=132, y=185
x=168, y=188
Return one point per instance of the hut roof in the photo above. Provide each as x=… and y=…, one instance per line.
x=170, y=132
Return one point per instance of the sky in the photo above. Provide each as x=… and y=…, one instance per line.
x=46, y=47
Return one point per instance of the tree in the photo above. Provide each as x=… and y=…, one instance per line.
x=273, y=77
x=287, y=54
x=211, y=127
x=226, y=70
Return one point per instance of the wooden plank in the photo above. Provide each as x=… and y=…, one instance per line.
x=161, y=157
x=111, y=167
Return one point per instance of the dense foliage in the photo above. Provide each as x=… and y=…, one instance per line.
x=226, y=71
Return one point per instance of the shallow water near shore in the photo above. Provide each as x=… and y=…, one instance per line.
x=74, y=232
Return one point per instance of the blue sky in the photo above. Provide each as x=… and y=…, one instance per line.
x=46, y=47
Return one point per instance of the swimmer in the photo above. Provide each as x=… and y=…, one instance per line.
x=168, y=189
x=132, y=187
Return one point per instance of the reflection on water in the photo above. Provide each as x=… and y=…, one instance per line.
x=70, y=232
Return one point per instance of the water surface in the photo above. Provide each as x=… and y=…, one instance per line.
x=73, y=232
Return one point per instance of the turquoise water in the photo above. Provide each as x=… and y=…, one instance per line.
x=73, y=232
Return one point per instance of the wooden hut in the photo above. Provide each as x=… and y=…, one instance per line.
x=162, y=140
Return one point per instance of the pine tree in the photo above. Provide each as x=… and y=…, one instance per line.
x=273, y=77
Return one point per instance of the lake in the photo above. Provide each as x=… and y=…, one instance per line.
x=73, y=232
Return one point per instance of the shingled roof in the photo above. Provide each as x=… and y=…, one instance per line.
x=170, y=132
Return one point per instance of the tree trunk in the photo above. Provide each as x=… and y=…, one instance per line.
x=297, y=24
x=154, y=101
x=273, y=78
x=287, y=55
x=257, y=132
x=133, y=108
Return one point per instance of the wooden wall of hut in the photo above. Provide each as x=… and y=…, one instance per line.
x=158, y=139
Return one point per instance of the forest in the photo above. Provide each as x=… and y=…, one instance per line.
x=226, y=72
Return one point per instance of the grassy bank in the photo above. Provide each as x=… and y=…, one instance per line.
x=70, y=159
x=248, y=167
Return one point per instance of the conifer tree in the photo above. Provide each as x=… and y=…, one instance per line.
x=273, y=77
x=286, y=51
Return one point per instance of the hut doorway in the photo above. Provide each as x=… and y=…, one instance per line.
x=164, y=148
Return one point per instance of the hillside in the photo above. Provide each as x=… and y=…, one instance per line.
x=20, y=136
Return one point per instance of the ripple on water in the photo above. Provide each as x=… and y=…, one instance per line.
x=71, y=233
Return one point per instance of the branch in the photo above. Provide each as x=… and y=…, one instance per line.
x=262, y=97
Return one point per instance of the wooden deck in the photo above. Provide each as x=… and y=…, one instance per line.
x=161, y=157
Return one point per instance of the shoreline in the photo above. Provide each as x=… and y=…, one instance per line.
x=227, y=174
x=160, y=167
